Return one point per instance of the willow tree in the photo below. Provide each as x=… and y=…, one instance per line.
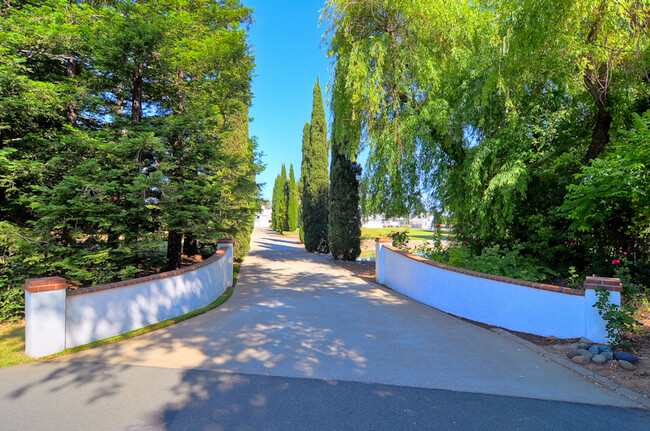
x=488, y=109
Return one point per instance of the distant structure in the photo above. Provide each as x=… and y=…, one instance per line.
x=421, y=221
x=263, y=217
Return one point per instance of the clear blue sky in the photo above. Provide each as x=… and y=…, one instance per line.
x=286, y=38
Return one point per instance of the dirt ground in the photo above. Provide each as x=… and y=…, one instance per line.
x=637, y=380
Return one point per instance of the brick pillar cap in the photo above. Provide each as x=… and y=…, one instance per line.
x=607, y=283
x=45, y=284
x=225, y=241
x=384, y=239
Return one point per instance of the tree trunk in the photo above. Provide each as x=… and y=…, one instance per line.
x=136, y=91
x=190, y=245
x=174, y=247
x=600, y=137
x=71, y=107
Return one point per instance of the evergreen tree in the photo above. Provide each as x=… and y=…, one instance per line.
x=315, y=178
x=275, y=204
x=344, y=232
x=291, y=194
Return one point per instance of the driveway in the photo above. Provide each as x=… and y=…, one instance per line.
x=299, y=344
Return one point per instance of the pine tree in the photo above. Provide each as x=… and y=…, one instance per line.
x=344, y=232
x=291, y=194
x=315, y=178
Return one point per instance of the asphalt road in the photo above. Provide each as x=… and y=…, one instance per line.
x=304, y=344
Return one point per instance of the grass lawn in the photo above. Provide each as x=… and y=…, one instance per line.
x=12, y=344
x=421, y=234
x=12, y=335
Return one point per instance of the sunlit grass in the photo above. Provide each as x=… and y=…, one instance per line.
x=420, y=234
x=12, y=336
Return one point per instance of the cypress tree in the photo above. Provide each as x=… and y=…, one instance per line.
x=315, y=179
x=291, y=195
x=344, y=232
x=275, y=204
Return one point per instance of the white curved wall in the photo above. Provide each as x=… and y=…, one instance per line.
x=518, y=307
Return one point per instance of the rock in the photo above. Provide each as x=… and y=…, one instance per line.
x=583, y=346
x=605, y=348
x=608, y=355
x=551, y=338
x=624, y=356
x=574, y=346
x=594, y=350
x=599, y=359
x=624, y=364
x=586, y=341
x=572, y=354
x=560, y=347
x=583, y=360
x=586, y=353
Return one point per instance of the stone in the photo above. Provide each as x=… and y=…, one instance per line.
x=582, y=360
x=586, y=341
x=594, y=350
x=551, y=338
x=575, y=346
x=583, y=346
x=625, y=365
x=624, y=356
x=572, y=354
x=560, y=347
x=605, y=348
x=608, y=355
x=599, y=359
x=586, y=353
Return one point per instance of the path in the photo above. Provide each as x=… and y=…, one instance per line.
x=303, y=343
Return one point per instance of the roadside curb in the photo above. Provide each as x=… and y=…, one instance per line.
x=639, y=399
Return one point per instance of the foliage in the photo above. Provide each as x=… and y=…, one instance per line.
x=279, y=202
x=617, y=319
x=291, y=195
x=518, y=119
x=123, y=131
x=315, y=181
x=344, y=230
x=400, y=238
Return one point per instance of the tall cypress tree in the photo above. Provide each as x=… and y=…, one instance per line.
x=315, y=179
x=344, y=216
x=291, y=195
x=282, y=200
x=275, y=204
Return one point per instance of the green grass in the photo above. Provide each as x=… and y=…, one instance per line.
x=12, y=336
x=12, y=344
x=290, y=232
x=421, y=234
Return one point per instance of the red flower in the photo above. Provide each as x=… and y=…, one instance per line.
x=625, y=253
x=464, y=242
x=452, y=238
x=615, y=262
x=438, y=226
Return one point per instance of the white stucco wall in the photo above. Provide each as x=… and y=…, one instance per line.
x=107, y=313
x=498, y=303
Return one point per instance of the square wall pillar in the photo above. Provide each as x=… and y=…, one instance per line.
x=45, y=316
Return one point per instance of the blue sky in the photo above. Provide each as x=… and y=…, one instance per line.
x=286, y=38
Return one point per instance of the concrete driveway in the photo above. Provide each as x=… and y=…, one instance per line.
x=299, y=328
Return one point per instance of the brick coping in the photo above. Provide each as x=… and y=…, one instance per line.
x=85, y=290
x=610, y=284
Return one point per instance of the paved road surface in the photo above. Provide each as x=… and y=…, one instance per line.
x=304, y=344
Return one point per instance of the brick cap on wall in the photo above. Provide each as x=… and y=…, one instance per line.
x=384, y=239
x=225, y=241
x=540, y=286
x=45, y=284
x=607, y=283
x=218, y=255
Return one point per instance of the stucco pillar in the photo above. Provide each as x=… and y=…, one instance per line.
x=45, y=315
x=594, y=323
x=228, y=244
x=379, y=257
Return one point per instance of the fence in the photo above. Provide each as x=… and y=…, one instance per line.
x=57, y=318
x=518, y=305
